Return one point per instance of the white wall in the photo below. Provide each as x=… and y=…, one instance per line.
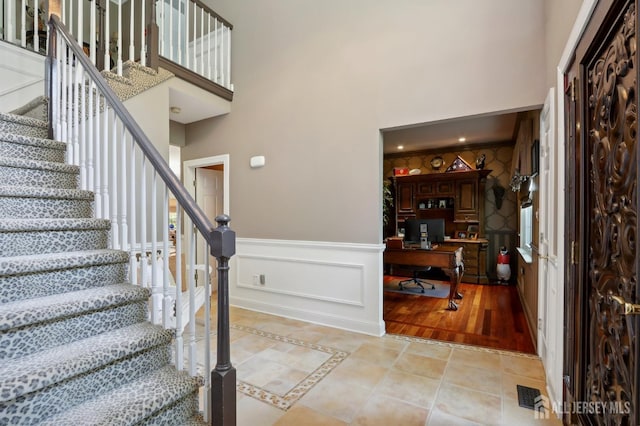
x=22, y=76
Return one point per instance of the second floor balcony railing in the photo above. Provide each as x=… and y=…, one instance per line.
x=179, y=33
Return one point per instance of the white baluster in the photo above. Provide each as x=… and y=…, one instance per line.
x=194, y=35
x=79, y=34
x=123, y=189
x=186, y=31
x=75, y=87
x=216, y=64
x=166, y=297
x=70, y=102
x=36, y=18
x=82, y=87
x=132, y=209
x=113, y=187
x=107, y=64
x=157, y=295
x=208, y=46
x=64, y=54
x=132, y=48
x=97, y=175
x=143, y=39
x=56, y=95
x=178, y=302
x=104, y=159
x=143, y=217
x=201, y=41
x=10, y=29
x=227, y=82
x=23, y=23
x=171, y=32
x=89, y=141
x=193, y=353
x=119, y=39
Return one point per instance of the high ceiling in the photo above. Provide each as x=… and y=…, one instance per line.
x=476, y=131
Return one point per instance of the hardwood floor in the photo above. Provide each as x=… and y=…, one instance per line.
x=488, y=315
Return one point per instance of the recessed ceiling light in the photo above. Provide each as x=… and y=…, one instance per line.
x=400, y=147
x=462, y=139
x=175, y=109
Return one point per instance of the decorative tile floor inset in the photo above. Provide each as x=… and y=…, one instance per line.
x=285, y=371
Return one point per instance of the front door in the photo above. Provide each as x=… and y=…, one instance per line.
x=601, y=98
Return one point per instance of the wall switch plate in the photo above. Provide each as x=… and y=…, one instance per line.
x=263, y=279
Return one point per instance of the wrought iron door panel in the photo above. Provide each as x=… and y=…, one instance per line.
x=611, y=214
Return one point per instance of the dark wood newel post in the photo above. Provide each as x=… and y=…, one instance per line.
x=153, y=34
x=223, y=377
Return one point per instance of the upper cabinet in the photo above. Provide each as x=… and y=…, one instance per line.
x=467, y=206
x=457, y=197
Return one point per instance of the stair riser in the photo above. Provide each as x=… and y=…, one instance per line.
x=23, y=129
x=36, y=337
x=40, y=284
x=33, y=177
x=38, y=242
x=30, y=152
x=179, y=413
x=31, y=408
x=34, y=208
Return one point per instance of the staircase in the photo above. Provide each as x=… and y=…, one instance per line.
x=75, y=344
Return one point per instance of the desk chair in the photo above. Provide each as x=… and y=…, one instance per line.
x=415, y=280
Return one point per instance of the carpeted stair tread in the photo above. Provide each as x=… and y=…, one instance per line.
x=33, y=311
x=50, y=166
x=32, y=141
x=37, y=371
x=39, y=192
x=23, y=120
x=131, y=403
x=15, y=265
x=76, y=224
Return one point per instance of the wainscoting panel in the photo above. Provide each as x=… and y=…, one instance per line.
x=335, y=284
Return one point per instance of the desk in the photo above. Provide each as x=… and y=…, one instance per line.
x=447, y=258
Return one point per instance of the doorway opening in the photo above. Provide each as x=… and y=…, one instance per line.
x=492, y=312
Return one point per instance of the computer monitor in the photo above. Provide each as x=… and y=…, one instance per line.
x=435, y=229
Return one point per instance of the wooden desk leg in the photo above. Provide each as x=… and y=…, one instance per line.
x=454, y=279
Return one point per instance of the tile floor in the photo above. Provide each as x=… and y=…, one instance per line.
x=295, y=373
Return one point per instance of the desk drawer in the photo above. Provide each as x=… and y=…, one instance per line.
x=470, y=257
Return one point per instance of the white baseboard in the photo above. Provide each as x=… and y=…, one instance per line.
x=334, y=284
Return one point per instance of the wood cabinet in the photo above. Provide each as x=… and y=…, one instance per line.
x=456, y=197
x=474, y=254
x=467, y=207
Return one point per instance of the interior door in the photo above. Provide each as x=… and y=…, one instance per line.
x=549, y=271
x=209, y=196
x=601, y=352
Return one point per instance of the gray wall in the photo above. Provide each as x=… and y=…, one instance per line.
x=315, y=81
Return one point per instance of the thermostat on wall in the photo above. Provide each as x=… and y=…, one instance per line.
x=257, y=161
